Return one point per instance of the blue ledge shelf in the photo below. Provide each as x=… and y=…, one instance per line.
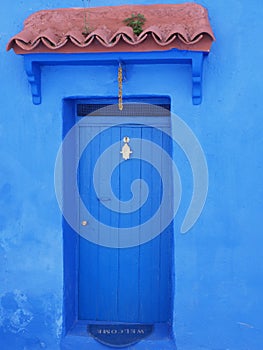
x=34, y=62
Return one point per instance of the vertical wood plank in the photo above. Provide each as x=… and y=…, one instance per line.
x=166, y=245
x=88, y=252
x=148, y=257
x=108, y=257
x=128, y=297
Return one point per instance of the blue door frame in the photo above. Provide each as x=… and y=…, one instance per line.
x=155, y=305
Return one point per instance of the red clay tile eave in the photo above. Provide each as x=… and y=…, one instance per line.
x=181, y=26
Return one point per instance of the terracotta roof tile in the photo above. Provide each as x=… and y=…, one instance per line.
x=181, y=26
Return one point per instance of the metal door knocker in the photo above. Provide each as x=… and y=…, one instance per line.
x=126, y=150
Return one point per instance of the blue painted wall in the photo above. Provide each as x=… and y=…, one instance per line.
x=219, y=265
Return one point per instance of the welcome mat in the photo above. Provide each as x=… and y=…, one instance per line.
x=119, y=335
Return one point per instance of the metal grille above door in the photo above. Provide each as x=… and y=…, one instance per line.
x=146, y=107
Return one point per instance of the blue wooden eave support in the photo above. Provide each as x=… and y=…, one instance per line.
x=33, y=63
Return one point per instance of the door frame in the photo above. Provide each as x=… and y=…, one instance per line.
x=162, y=337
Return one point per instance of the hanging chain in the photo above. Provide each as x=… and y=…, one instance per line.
x=120, y=79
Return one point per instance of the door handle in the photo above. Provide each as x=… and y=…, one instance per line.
x=104, y=199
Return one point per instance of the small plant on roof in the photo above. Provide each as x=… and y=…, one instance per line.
x=136, y=22
x=86, y=28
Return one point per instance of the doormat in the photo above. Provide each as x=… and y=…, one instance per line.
x=119, y=335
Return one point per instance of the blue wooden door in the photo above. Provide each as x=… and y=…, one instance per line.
x=133, y=284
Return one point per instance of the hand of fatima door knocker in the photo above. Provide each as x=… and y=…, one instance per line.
x=126, y=150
